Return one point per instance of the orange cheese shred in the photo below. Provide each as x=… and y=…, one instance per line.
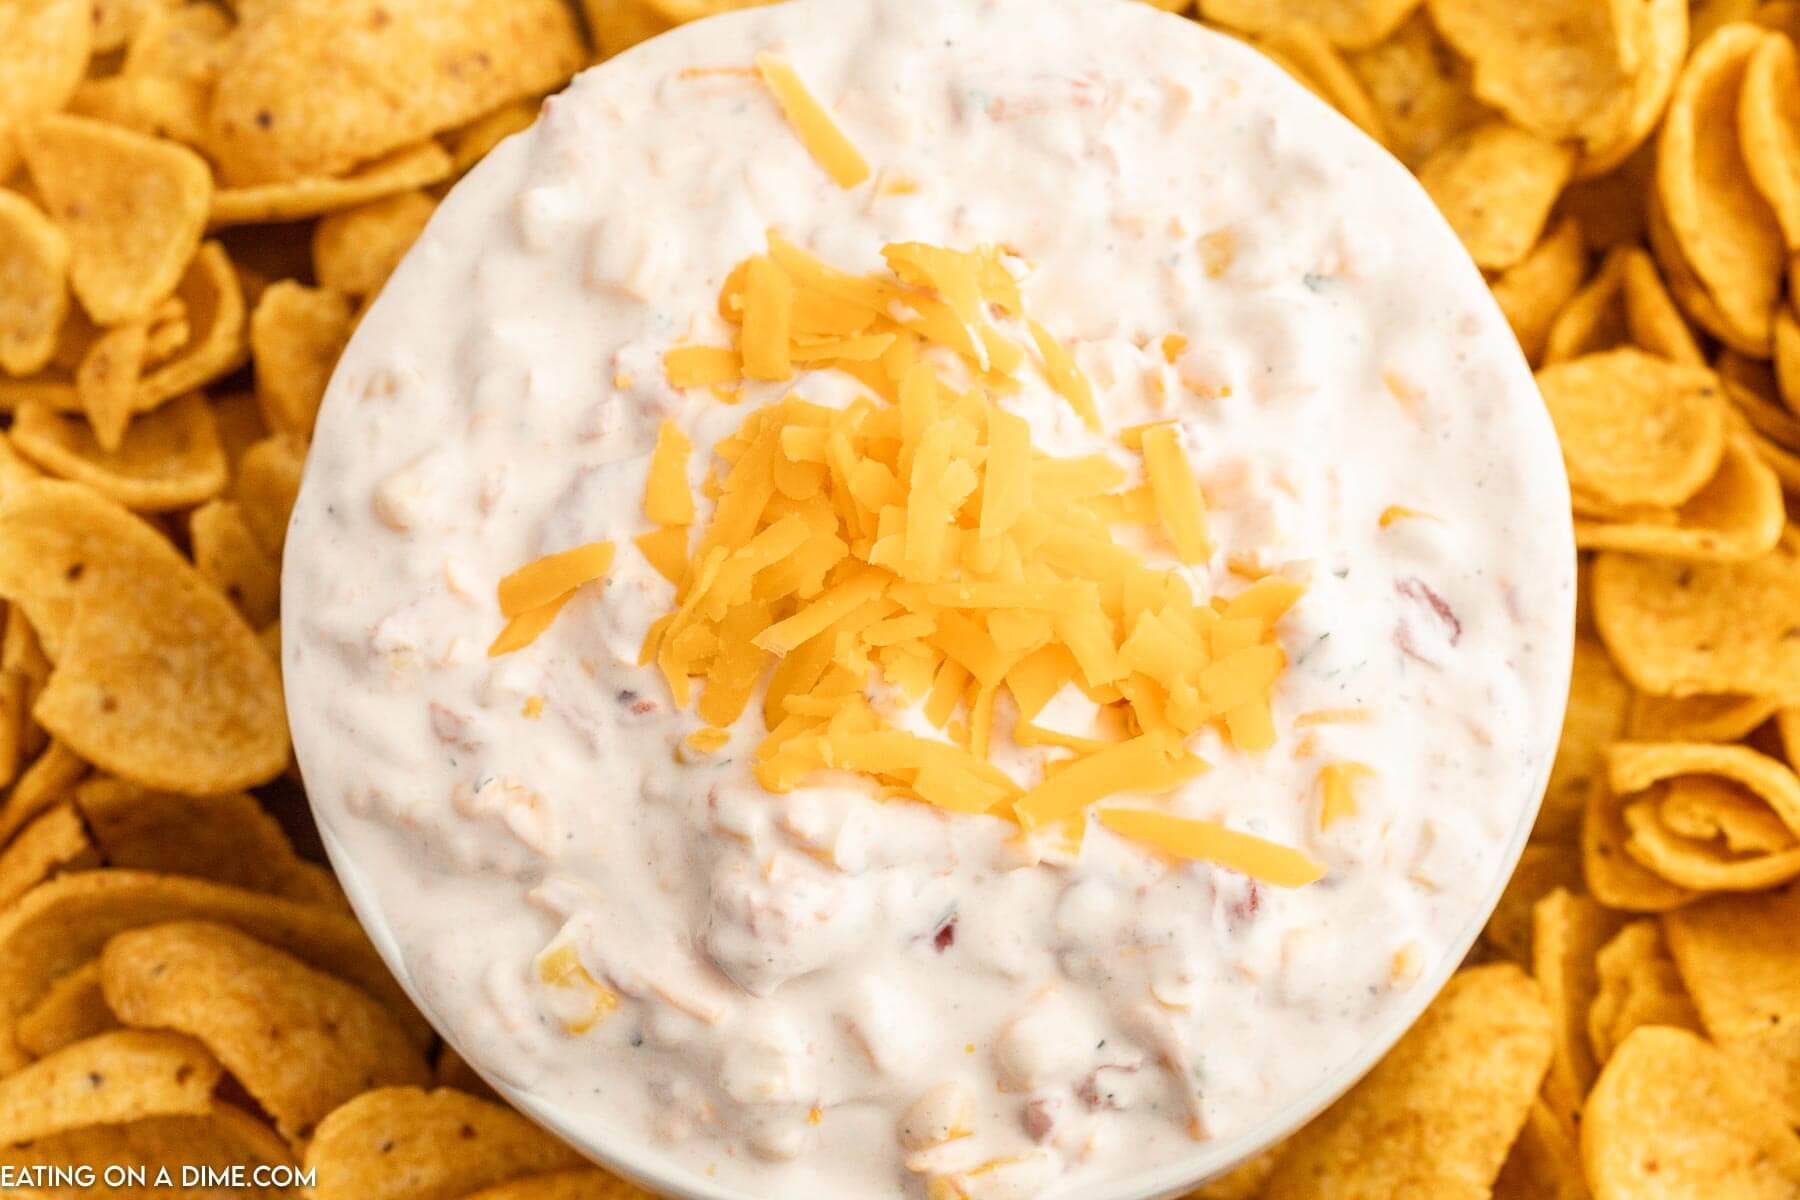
x=1208, y=841
x=553, y=577
x=817, y=131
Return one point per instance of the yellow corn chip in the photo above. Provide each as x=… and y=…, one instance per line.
x=223, y=1139
x=113, y=1077
x=1736, y=958
x=354, y=251
x=157, y=678
x=1620, y=129
x=59, y=925
x=44, y=47
x=227, y=838
x=54, y=842
x=228, y=556
x=300, y=1041
x=1309, y=56
x=1724, y=229
x=169, y=458
x=1561, y=71
x=1543, y=868
x=1696, y=718
x=73, y=1010
x=296, y=335
x=133, y=209
x=1708, y=816
x=1495, y=184
x=1441, y=1109
x=1420, y=87
x=407, y=1144
x=1669, y=1120
x=266, y=484
x=1594, y=718
x=403, y=170
x=106, y=382
x=1615, y=878
x=214, y=302
x=34, y=295
x=300, y=98
x=1635, y=429
x=1688, y=629
x=474, y=141
x=1637, y=985
x=1545, y=1163
x=1354, y=24
x=1567, y=932
x=1534, y=292
x=1736, y=517
x=1769, y=129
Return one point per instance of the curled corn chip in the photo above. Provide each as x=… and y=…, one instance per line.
x=44, y=48
x=1495, y=184
x=1419, y=87
x=1723, y=227
x=227, y=839
x=1735, y=955
x=59, y=925
x=354, y=251
x=170, y=458
x=157, y=678
x=1543, y=867
x=299, y=1040
x=1615, y=878
x=1769, y=129
x=1637, y=985
x=1560, y=71
x=223, y=1138
x=34, y=296
x=228, y=556
x=267, y=481
x=1621, y=128
x=1787, y=357
x=54, y=842
x=1737, y=516
x=296, y=334
x=1545, y=1162
x=1669, y=1119
x=1356, y=24
x=1687, y=629
x=1595, y=717
x=117, y=22
x=1696, y=718
x=133, y=208
x=106, y=382
x=1635, y=429
x=213, y=299
x=1707, y=816
x=1417, y=1124
x=1624, y=302
x=298, y=98
x=397, y=1142
x=1567, y=931
x=403, y=170
x=43, y=784
x=1541, y=286
x=109, y=1078
x=73, y=1010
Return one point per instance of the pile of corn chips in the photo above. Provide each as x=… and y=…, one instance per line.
x=197, y=199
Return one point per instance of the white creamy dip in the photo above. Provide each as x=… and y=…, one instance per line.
x=810, y=982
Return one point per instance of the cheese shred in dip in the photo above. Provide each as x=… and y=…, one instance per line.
x=960, y=598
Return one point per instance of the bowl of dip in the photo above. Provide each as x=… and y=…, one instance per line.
x=960, y=597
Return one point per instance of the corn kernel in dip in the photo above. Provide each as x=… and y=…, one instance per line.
x=863, y=607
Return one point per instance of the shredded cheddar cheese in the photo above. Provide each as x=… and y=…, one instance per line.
x=817, y=131
x=916, y=536
x=532, y=595
x=1208, y=841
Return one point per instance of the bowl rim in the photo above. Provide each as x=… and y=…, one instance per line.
x=640, y=1162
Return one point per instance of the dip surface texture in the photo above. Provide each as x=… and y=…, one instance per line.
x=812, y=988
